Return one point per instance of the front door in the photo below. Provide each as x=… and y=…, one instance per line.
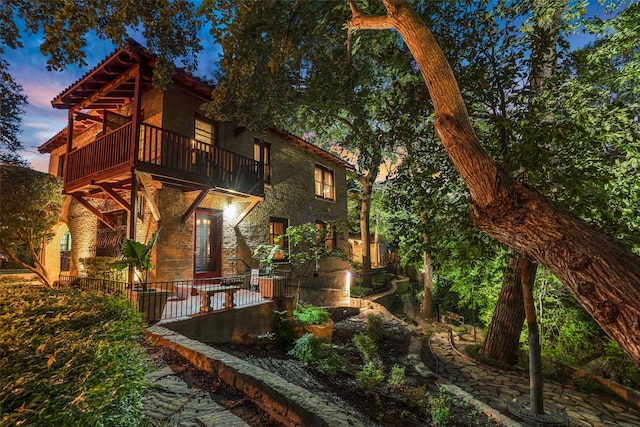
x=207, y=259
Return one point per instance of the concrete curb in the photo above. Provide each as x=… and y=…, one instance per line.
x=286, y=402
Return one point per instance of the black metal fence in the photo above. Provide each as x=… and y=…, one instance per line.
x=180, y=299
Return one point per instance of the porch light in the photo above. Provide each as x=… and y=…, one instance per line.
x=230, y=209
x=347, y=287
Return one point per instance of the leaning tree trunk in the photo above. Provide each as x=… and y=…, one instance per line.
x=503, y=336
x=602, y=275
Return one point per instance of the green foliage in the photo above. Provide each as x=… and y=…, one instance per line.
x=324, y=357
x=170, y=29
x=310, y=314
x=100, y=267
x=11, y=111
x=375, y=327
x=439, y=410
x=369, y=377
x=28, y=214
x=69, y=358
x=619, y=366
x=284, y=329
x=138, y=256
x=397, y=380
x=306, y=246
x=587, y=385
x=366, y=346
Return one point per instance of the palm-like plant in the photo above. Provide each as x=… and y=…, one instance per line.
x=138, y=256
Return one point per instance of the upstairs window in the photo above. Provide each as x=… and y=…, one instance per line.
x=325, y=188
x=262, y=154
x=204, y=130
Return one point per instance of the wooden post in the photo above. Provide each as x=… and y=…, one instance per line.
x=133, y=156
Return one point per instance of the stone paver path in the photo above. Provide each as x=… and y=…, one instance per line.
x=170, y=402
x=495, y=386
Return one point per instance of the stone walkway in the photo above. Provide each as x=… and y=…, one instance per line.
x=170, y=402
x=495, y=386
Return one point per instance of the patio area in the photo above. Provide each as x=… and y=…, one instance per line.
x=182, y=307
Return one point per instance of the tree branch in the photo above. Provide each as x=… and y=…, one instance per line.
x=361, y=22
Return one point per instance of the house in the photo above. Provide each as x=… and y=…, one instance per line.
x=378, y=249
x=135, y=159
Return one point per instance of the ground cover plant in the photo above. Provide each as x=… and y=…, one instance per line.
x=68, y=358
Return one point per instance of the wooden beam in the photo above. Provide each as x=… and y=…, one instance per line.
x=94, y=211
x=142, y=178
x=252, y=204
x=115, y=196
x=130, y=73
x=195, y=204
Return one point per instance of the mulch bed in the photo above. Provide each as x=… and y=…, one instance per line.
x=385, y=407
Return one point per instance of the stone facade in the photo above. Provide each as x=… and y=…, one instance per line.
x=290, y=195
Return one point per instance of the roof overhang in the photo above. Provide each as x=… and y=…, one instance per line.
x=313, y=148
x=110, y=84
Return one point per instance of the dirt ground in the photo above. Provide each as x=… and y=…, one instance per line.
x=419, y=403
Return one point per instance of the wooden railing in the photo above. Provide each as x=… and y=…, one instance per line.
x=107, y=153
x=167, y=154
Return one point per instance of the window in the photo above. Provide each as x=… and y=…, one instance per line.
x=65, y=242
x=61, y=166
x=326, y=234
x=262, y=154
x=325, y=188
x=65, y=250
x=277, y=228
x=204, y=130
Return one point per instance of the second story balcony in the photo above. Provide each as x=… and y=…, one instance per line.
x=165, y=155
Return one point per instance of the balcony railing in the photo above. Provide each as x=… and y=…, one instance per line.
x=166, y=154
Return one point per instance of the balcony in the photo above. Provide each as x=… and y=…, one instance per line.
x=165, y=155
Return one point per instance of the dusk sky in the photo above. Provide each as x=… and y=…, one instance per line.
x=40, y=121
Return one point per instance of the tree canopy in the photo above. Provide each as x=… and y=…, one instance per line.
x=31, y=202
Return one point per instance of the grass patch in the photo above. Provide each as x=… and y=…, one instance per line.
x=69, y=358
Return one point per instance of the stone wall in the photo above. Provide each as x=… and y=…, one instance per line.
x=243, y=325
x=290, y=195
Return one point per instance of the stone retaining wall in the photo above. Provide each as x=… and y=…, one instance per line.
x=288, y=403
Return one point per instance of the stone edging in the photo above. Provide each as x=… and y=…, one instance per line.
x=286, y=402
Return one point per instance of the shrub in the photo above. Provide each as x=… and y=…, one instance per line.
x=366, y=346
x=397, y=380
x=375, y=327
x=310, y=314
x=439, y=410
x=310, y=350
x=306, y=349
x=415, y=396
x=69, y=358
x=369, y=377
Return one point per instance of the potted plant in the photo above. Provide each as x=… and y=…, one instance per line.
x=137, y=256
x=309, y=319
x=267, y=253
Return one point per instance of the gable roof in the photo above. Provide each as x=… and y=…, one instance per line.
x=110, y=84
x=311, y=147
